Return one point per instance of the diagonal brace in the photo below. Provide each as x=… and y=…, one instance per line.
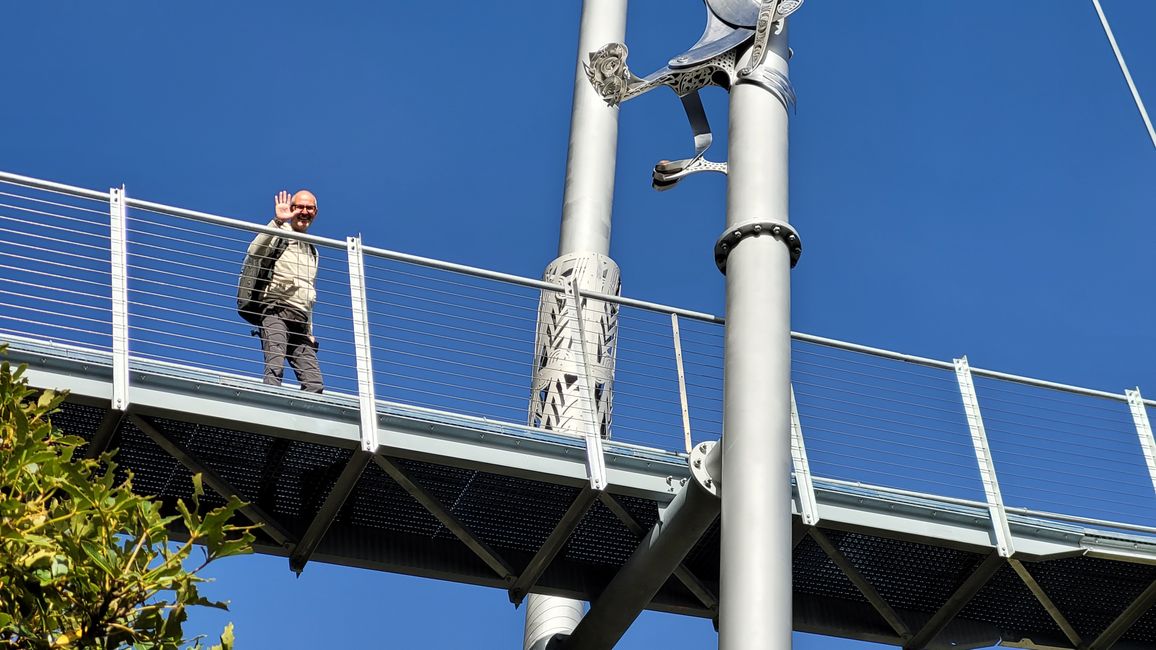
x=1050, y=606
x=956, y=602
x=684, y=575
x=447, y=518
x=252, y=512
x=861, y=584
x=328, y=511
x=553, y=544
x=1125, y=620
x=105, y=433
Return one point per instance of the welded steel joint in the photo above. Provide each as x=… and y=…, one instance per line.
x=732, y=28
x=780, y=230
x=706, y=468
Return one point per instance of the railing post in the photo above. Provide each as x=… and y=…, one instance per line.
x=983, y=457
x=1143, y=430
x=681, y=382
x=361, y=344
x=807, y=504
x=595, y=460
x=118, y=257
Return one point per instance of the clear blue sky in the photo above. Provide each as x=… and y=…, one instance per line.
x=968, y=178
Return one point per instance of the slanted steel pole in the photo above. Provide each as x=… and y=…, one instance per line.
x=755, y=572
x=583, y=249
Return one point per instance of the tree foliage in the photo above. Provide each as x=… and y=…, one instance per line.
x=84, y=561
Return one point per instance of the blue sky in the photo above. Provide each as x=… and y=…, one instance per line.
x=967, y=178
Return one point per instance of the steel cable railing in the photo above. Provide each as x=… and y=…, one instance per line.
x=460, y=340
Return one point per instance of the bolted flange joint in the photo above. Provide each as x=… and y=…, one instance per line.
x=706, y=467
x=780, y=230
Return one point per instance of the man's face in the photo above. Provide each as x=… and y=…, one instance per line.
x=304, y=208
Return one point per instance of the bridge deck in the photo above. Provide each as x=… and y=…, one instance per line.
x=906, y=546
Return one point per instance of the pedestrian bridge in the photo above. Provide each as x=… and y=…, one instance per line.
x=936, y=505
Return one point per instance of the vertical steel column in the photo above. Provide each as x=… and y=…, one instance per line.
x=1143, y=431
x=118, y=237
x=755, y=574
x=367, y=399
x=585, y=230
x=1000, y=528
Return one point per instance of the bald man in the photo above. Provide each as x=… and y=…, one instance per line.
x=287, y=321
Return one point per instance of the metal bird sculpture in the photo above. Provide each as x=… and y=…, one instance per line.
x=731, y=25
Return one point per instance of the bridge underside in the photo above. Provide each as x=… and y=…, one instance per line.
x=490, y=504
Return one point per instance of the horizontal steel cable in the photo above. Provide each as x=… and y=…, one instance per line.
x=1006, y=437
x=231, y=286
x=217, y=341
x=108, y=309
x=519, y=386
x=996, y=385
x=1121, y=412
x=988, y=421
x=48, y=226
x=891, y=380
x=38, y=249
x=231, y=309
x=14, y=319
x=58, y=289
x=906, y=476
x=103, y=224
x=1067, y=503
x=878, y=398
x=240, y=237
x=1008, y=476
x=807, y=413
x=965, y=452
x=71, y=267
x=201, y=269
x=896, y=366
x=202, y=364
x=54, y=204
x=103, y=249
x=54, y=276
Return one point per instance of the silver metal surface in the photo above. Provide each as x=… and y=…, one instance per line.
x=1143, y=431
x=595, y=461
x=681, y=381
x=1000, y=530
x=661, y=552
x=362, y=346
x=118, y=247
x=808, y=507
x=756, y=536
x=1124, y=69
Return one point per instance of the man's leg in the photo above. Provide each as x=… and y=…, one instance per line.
x=274, y=339
x=303, y=358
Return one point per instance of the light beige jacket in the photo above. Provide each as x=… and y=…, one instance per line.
x=294, y=274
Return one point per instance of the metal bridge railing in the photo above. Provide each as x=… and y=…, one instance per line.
x=461, y=340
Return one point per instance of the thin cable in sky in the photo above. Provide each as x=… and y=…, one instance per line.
x=1124, y=68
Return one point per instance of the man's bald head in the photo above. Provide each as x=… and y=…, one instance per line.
x=304, y=208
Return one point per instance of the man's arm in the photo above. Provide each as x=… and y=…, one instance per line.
x=282, y=213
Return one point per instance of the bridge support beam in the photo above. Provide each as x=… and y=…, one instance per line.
x=350, y=475
x=554, y=543
x=955, y=604
x=679, y=528
x=1126, y=619
x=252, y=512
x=861, y=584
x=684, y=575
x=1047, y=603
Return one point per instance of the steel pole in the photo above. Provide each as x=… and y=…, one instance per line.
x=755, y=572
x=585, y=232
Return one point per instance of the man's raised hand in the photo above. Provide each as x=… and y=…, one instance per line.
x=283, y=211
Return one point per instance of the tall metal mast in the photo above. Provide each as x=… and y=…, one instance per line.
x=583, y=249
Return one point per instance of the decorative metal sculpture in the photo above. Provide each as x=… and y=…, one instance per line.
x=731, y=27
x=557, y=402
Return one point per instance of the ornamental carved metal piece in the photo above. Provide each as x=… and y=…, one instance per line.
x=732, y=26
x=556, y=400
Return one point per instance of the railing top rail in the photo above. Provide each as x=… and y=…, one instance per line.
x=542, y=285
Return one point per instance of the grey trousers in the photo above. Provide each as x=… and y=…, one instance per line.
x=285, y=334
